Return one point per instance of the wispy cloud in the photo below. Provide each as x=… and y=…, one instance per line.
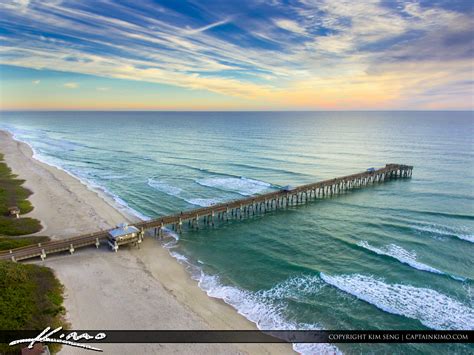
x=21, y=5
x=290, y=26
x=404, y=49
x=71, y=85
x=36, y=82
x=207, y=27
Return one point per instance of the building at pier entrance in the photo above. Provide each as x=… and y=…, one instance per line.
x=124, y=234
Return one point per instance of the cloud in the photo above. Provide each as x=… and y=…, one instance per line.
x=290, y=26
x=21, y=4
x=36, y=82
x=297, y=49
x=71, y=85
x=207, y=27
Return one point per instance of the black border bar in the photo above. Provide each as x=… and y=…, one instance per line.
x=252, y=336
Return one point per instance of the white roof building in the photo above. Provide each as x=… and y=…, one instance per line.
x=123, y=230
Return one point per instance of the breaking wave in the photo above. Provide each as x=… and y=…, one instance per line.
x=433, y=309
x=164, y=187
x=241, y=185
x=203, y=202
x=404, y=256
x=178, y=192
x=58, y=163
x=265, y=308
x=444, y=231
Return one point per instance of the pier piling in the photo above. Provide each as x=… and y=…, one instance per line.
x=237, y=209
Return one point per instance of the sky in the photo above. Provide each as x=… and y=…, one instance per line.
x=236, y=55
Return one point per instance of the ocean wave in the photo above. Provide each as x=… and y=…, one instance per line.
x=181, y=258
x=265, y=307
x=178, y=192
x=260, y=307
x=402, y=212
x=296, y=288
x=271, y=169
x=241, y=185
x=122, y=205
x=102, y=191
x=170, y=242
x=444, y=231
x=433, y=309
x=164, y=187
x=203, y=202
x=111, y=176
x=445, y=214
x=201, y=170
x=406, y=257
x=42, y=137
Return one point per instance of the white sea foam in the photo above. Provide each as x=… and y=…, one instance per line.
x=112, y=176
x=178, y=256
x=170, y=244
x=243, y=186
x=261, y=308
x=469, y=238
x=441, y=230
x=103, y=192
x=125, y=206
x=402, y=255
x=203, y=202
x=164, y=187
x=178, y=192
x=296, y=288
x=433, y=309
x=264, y=308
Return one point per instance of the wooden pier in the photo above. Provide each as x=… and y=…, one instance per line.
x=237, y=209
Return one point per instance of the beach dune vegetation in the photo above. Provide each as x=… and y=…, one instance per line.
x=12, y=193
x=31, y=297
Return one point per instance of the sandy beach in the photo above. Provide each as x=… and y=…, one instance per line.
x=132, y=289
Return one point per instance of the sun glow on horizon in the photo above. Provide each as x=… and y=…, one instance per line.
x=304, y=55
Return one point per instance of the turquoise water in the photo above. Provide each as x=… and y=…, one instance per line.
x=397, y=255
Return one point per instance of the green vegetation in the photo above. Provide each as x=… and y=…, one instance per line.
x=7, y=243
x=12, y=193
x=30, y=295
x=18, y=226
x=31, y=298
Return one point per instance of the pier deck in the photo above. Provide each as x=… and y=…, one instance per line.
x=232, y=209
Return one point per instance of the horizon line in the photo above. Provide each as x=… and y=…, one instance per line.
x=243, y=110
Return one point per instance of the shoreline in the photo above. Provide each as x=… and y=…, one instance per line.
x=133, y=289
x=121, y=207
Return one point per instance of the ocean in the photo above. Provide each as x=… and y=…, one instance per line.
x=397, y=255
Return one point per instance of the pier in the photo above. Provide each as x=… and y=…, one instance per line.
x=209, y=216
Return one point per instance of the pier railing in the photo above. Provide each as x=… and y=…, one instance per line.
x=223, y=211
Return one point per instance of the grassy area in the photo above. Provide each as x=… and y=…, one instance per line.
x=7, y=243
x=18, y=226
x=12, y=193
x=30, y=295
x=31, y=298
